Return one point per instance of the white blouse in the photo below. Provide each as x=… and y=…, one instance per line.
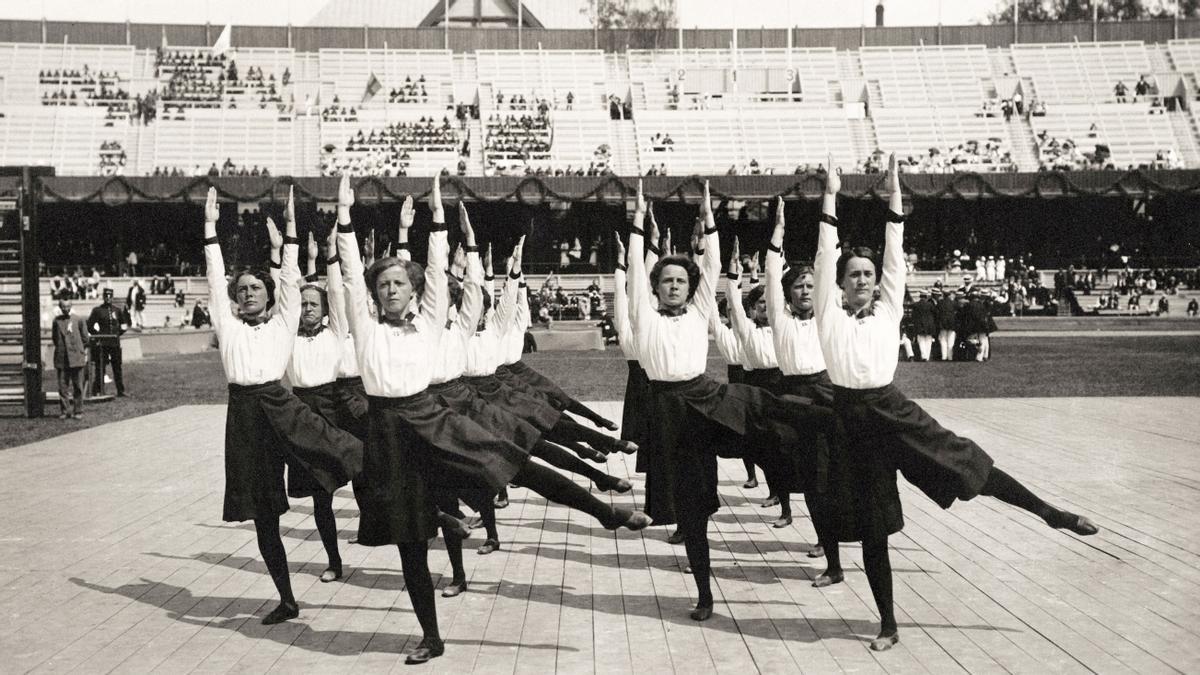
x=514, y=325
x=861, y=352
x=621, y=310
x=396, y=361
x=451, y=359
x=254, y=354
x=797, y=346
x=347, y=359
x=672, y=348
x=316, y=360
x=757, y=342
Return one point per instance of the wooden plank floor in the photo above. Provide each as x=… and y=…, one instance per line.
x=115, y=559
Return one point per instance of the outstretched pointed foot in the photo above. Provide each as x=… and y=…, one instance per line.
x=607, y=424
x=613, y=484
x=627, y=447
x=632, y=520
x=454, y=526
x=489, y=546
x=829, y=578
x=702, y=612
x=285, y=611
x=473, y=522
x=1065, y=520
x=885, y=641
x=430, y=648
x=592, y=455
x=781, y=522
x=455, y=587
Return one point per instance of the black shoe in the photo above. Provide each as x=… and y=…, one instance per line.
x=281, y=613
x=1065, y=520
x=702, y=613
x=770, y=501
x=627, y=447
x=817, y=551
x=455, y=587
x=885, y=642
x=593, y=455
x=331, y=573
x=632, y=520
x=607, y=424
x=489, y=546
x=121, y=394
x=781, y=522
x=430, y=648
x=828, y=579
x=500, y=503
x=473, y=522
x=614, y=484
x=676, y=537
x=750, y=483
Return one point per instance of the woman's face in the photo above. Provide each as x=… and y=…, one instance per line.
x=800, y=294
x=251, y=294
x=858, y=282
x=312, y=310
x=394, y=290
x=673, y=285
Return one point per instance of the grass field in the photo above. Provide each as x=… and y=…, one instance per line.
x=1020, y=367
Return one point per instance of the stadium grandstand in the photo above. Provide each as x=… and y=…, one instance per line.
x=534, y=107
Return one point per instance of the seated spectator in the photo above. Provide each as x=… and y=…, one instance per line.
x=1120, y=91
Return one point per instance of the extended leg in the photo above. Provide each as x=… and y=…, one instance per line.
x=327, y=527
x=557, y=488
x=576, y=408
x=695, y=542
x=564, y=460
x=569, y=430
x=1010, y=491
x=270, y=545
x=414, y=563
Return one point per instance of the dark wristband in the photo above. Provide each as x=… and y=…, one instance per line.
x=773, y=247
x=291, y=240
x=514, y=275
x=334, y=260
x=211, y=240
x=654, y=249
x=472, y=249
x=438, y=227
x=638, y=231
x=402, y=246
x=893, y=217
x=276, y=266
x=734, y=277
x=312, y=278
x=621, y=267
x=348, y=228
x=489, y=278
x=699, y=251
x=832, y=220
x=710, y=230
x=522, y=285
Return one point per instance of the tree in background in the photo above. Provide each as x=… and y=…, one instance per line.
x=1081, y=10
x=645, y=20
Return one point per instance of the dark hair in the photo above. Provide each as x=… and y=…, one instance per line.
x=693, y=271
x=416, y=274
x=795, y=272
x=854, y=252
x=752, y=298
x=260, y=273
x=324, y=295
x=456, y=291
x=487, y=303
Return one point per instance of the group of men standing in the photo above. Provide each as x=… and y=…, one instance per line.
x=959, y=321
x=72, y=337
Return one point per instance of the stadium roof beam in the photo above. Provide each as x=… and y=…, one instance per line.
x=507, y=17
x=540, y=190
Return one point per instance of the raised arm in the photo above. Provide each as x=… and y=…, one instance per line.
x=891, y=287
x=472, y=287
x=639, y=280
x=489, y=277
x=310, y=262
x=776, y=302
x=276, y=239
x=738, y=321
x=727, y=342
x=508, y=307
x=218, y=295
x=334, y=291
x=287, y=293
x=357, y=300
x=709, y=260
x=827, y=287
x=435, y=300
x=621, y=298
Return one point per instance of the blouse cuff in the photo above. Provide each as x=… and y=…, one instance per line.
x=211, y=240
x=893, y=217
x=773, y=247
x=348, y=228
x=291, y=240
x=832, y=220
x=276, y=265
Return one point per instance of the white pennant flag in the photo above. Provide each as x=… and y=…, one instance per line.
x=224, y=40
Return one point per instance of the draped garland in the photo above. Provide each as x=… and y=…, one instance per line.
x=118, y=190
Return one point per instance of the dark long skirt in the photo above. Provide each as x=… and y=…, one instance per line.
x=267, y=426
x=635, y=425
x=462, y=399
x=350, y=401
x=320, y=399
x=521, y=372
x=692, y=419
x=394, y=495
x=522, y=401
x=886, y=432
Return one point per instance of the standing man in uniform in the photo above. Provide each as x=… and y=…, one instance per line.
x=107, y=323
x=924, y=324
x=70, y=335
x=946, y=318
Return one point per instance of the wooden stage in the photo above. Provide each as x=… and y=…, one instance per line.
x=115, y=559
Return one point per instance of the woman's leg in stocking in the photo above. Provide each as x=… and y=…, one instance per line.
x=327, y=527
x=827, y=543
x=878, y=566
x=487, y=512
x=695, y=542
x=557, y=488
x=576, y=408
x=751, y=476
x=1010, y=491
x=556, y=456
x=414, y=563
x=568, y=430
x=270, y=545
x=448, y=502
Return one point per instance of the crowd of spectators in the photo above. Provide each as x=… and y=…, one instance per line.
x=751, y=168
x=992, y=155
x=1065, y=155
x=512, y=137
x=204, y=79
x=336, y=112
x=662, y=143
x=409, y=92
x=387, y=151
x=112, y=158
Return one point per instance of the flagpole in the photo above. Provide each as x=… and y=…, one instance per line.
x=446, y=22
x=520, y=22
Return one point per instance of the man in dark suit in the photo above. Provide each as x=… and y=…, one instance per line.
x=70, y=336
x=924, y=324
x=106, y=324
x=945, y=311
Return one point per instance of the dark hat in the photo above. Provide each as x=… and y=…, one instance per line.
x=108, y=292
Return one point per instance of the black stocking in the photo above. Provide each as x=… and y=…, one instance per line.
x=1010, y=491
x=414, y=563
x=751, y=476
x=568, y=430
x=878, y=567
x=556, y=456
x=447, y=502
x=270, y=545
x=487, y=511
x=577, y=408
x=327, y=527
x=557, y=488
x=695, y=542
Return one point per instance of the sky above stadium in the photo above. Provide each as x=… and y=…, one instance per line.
x=694, y=13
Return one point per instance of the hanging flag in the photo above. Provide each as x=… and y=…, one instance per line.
x=224, y=40
x=373, y=87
